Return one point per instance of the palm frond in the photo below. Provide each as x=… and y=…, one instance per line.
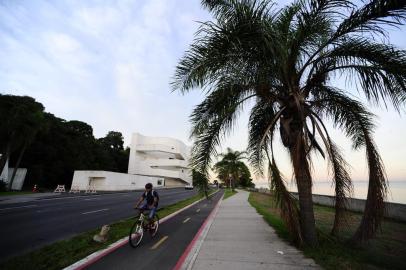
x=377, y=190
x=224, y=47
x=342, y=186
x=347, y=114
x=341, y=178
x=355, y=120
x=212, y=120
x=262, y=114
x=285, y=201
x=372, y=16
x=379, y=68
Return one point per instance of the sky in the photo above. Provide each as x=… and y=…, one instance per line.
x=110, y=63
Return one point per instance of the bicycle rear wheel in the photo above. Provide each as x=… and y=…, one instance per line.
x=154, y=227
x=136, y=234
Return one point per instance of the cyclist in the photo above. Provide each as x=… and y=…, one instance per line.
x=151, y=198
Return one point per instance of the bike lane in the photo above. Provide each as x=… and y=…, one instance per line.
x=164, y=250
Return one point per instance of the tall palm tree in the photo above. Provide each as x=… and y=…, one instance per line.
x=284, y=59
x=230, y=166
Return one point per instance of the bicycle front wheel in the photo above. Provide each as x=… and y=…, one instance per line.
x=136, y=234
x=154, y=226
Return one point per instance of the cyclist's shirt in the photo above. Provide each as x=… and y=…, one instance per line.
x=149, y=196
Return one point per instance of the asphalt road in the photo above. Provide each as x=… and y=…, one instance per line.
x=164, y=250
x=30, y=225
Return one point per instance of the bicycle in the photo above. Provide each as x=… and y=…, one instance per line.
x=140, y=226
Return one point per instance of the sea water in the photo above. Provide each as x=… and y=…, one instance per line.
x=396, y=194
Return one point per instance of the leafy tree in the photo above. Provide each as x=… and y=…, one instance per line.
x=113, y=140
x=245, y=179
x=64, y=146
x=20, y=119
x=284, y=60
x=230, y=168
x=113, y=143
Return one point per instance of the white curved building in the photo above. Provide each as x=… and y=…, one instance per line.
x=160, y=157
x=158, y=160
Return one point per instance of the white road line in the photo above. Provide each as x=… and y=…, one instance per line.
x=159, y=242
x=198, y=210
x=66, y=198
x=92, y=199
x=26, y=206
x=85, y=213
x=186, y=220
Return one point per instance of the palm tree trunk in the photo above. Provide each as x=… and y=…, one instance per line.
x=304, y=186
x=20, y=157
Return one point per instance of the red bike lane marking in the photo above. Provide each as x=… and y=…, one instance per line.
x=189, y=248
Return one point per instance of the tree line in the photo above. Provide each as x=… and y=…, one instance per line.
x=51, y=148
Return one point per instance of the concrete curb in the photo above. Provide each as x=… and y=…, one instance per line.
x=188, y=258
x=92, y=258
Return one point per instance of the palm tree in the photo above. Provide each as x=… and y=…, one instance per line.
x=230, y=167
x=284, y=60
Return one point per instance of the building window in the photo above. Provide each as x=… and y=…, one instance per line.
x=159, y=182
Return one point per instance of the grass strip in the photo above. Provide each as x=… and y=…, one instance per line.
x=228, y=193
x=386, y=251
x=66, y=252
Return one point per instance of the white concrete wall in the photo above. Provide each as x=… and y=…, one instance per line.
x=393, y=210
x=112, y=181
x=4, y=172
x=19, y=178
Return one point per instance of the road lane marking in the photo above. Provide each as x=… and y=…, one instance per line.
x=186, y=220
x=204, y=205
x=92, y=199
x=163, y=239
x=85, y=213
x=26, y=206
x=198, y=210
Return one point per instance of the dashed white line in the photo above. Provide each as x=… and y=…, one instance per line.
x=85, y=213
x=198, y=210
x=163, y=239
x=92, y=199
x=186, y=220
x=26, y=206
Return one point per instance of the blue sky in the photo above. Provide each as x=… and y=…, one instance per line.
x=109, y=63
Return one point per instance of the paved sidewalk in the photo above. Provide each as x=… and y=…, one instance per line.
x=239, y=238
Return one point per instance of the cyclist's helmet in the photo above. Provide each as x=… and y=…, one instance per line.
x=148, y=186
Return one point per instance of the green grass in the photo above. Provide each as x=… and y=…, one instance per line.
x=7, y=193
x=386, y=251
x=63, y=253
x=228, y=193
